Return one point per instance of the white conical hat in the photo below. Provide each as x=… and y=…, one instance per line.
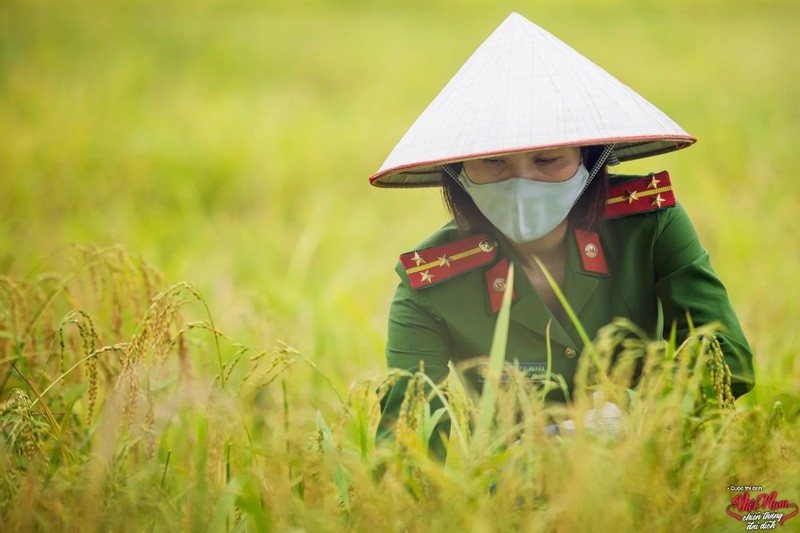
x=524, y=89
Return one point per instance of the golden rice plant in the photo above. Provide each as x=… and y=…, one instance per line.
x=140, y=414
x=65, y=380
x=664, y=464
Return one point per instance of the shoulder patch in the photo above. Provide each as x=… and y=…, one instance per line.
x=640, y=195
x=433, y=265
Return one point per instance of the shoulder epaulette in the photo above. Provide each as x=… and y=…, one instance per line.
x=433, y=265
x=640, y=195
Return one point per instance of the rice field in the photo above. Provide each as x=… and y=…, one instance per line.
x=195, y=273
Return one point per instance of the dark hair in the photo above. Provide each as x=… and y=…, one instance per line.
x=586, y=214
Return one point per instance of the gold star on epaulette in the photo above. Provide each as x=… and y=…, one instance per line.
x=653, y=183
x=630, y=196
x=417, y=258
x=427, y=276
x=444, y=260
x=657, y=201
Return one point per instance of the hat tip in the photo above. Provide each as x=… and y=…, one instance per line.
x=516, y=16
x=517, y=21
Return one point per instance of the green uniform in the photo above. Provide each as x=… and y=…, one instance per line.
x=651, y=257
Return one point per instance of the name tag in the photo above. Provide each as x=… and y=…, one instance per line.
x=526, y=372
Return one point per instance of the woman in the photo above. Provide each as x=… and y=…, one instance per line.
x=519, y=140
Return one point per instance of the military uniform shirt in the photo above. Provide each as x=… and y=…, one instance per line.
x=652, y=259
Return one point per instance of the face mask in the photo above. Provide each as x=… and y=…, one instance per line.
x=523, y=209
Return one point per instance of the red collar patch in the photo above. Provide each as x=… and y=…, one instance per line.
x=591, y=251
x=496, y=284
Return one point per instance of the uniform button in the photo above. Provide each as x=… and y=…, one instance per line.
x=570, y=353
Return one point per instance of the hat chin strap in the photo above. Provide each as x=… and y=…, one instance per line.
x=451, y=172
x=607, y=155
x=612, y=157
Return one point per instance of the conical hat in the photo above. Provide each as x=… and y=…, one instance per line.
x=524, y=89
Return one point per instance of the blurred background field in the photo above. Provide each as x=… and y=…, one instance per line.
x=229, y=143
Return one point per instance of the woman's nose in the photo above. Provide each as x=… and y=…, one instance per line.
x=523, y=167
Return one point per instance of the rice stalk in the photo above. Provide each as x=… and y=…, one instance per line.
x=497, y=355
x=239, y=465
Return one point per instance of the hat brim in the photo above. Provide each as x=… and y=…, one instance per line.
x=429, y=173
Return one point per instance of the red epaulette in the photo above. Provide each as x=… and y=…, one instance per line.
x=648, y=193
x=433, y=265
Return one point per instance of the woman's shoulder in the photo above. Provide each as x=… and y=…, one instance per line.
x=651, y=197
x=444, y=255
x=643, y=211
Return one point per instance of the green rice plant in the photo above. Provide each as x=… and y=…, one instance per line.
x=226, y=442
x=665, y=465
x=172, y=424
x=680, y=431
x=74, y=374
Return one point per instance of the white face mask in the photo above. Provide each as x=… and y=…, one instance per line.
x=523, y=209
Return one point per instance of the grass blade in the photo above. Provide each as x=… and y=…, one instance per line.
x=497, y=356
x=587, y=342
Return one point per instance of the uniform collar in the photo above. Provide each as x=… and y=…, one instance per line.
x=530, y=311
